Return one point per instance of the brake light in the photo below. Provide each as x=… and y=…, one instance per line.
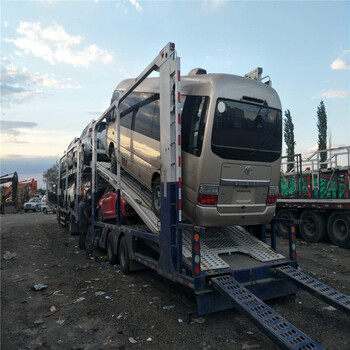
x=207, y=199
x=273, y=194
x=208, y=194
x=90, y=130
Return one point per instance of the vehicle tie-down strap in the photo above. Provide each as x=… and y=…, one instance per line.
x=311, y=285
x=283, y=333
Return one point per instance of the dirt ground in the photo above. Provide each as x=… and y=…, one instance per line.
x=126, y=312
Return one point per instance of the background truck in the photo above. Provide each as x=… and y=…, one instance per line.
x=69, y=183
x=318, y=192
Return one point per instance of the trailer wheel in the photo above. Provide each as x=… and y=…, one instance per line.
x=282, y=229
x=112, y=257
x=339, y=229
x=124, y=259
x=156, y=197
x=114, y=166
x=315, y=230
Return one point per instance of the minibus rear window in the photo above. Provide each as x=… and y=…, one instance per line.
x=193, y=121
x=245, y=131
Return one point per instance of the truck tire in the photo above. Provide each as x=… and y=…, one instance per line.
x=45, y=211
x=123, y=255
x=338, y=227
x=112, y=257
x=281, y=228
x=315, y=230
x=156, y=197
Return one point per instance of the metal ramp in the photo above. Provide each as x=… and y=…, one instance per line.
x=283, y=333
x=316, y=288
x=229, y=239
x=138, y=197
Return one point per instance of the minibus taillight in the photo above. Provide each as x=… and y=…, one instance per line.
x=272, y=197
x=208, y=194
x=90, y=130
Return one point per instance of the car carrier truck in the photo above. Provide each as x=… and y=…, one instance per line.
x=225, y=266
x=318, y=192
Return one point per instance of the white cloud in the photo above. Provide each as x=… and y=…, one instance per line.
x=340, y=64
x=14, y=75
x=54, y=44
x=335, y=94
x=18, y=85
x=136, y=4
x=213, y=5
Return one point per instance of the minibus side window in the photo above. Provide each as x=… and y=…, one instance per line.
x=147, y=116
x=126, y=120
x=127, y=108
x=156, y=122
x=193, y=123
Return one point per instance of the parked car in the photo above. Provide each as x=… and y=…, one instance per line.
x=47, y=207
x=86, y=141
x=72, y=152
x=107, y=206
x=33, y=204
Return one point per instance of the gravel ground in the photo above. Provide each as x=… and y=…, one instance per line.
x=126, y=312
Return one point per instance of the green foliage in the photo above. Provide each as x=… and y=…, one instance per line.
x=289, y=137
x=50, y=175
x=41, y=191
x=322, y=132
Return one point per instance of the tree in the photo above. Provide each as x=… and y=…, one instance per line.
x=41, y=191
x=289, y=138
x=322, y=132
x=50, y=175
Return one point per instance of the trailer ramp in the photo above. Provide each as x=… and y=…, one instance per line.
x=281, y=332
x=135, y=194
x=318, y=289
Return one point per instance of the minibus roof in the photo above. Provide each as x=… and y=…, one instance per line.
x=215, y=86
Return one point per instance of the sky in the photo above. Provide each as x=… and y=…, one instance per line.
x=61, y=60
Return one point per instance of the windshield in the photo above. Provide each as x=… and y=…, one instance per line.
x=245, y=131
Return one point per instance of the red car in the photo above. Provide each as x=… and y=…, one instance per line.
x=107, y=206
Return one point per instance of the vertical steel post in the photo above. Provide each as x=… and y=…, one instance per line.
x=93, y=165
x=118, y=165
x=292, y=245
x=58, y=194
x=273, y=234
x=66, y=196
x=196, y=259
x=80, y=158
